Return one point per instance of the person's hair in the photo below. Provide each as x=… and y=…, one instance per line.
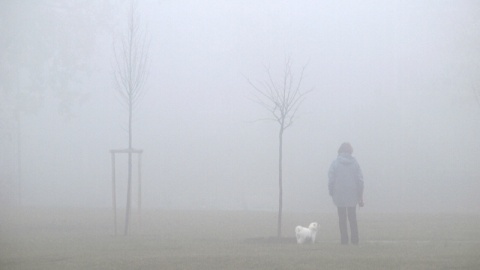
x=345, y=148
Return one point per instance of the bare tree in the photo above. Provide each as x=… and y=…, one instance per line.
x=282, y=99
x=130, y=71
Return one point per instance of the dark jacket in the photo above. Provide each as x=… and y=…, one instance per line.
x=345, y=181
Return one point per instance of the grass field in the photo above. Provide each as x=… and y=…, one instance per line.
x=83, y=239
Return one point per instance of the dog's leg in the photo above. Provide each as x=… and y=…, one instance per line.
x=300, y=239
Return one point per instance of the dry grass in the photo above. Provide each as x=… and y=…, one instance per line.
x=83, y=239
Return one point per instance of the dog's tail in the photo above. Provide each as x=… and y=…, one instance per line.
x=298, y=229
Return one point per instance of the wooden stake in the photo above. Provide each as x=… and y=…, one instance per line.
x=114, y=197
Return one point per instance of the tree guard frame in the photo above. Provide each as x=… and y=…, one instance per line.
x=113, y=153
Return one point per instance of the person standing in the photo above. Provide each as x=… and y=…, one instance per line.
x=345, y=185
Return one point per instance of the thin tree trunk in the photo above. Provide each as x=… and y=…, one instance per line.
x=129, y=188
x=129, y=191
x=280, y=183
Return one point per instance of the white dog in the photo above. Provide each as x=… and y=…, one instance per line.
x=303, y=233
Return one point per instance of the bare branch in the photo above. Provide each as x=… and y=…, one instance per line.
x=282, y=102
x=131, y=61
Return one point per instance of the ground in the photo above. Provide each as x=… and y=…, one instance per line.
x=84, y=239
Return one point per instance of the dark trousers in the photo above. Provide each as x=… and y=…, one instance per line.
x=351, y=214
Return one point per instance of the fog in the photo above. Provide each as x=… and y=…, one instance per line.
x=396, y=79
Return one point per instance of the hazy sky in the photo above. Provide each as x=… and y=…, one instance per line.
x=394, y=78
